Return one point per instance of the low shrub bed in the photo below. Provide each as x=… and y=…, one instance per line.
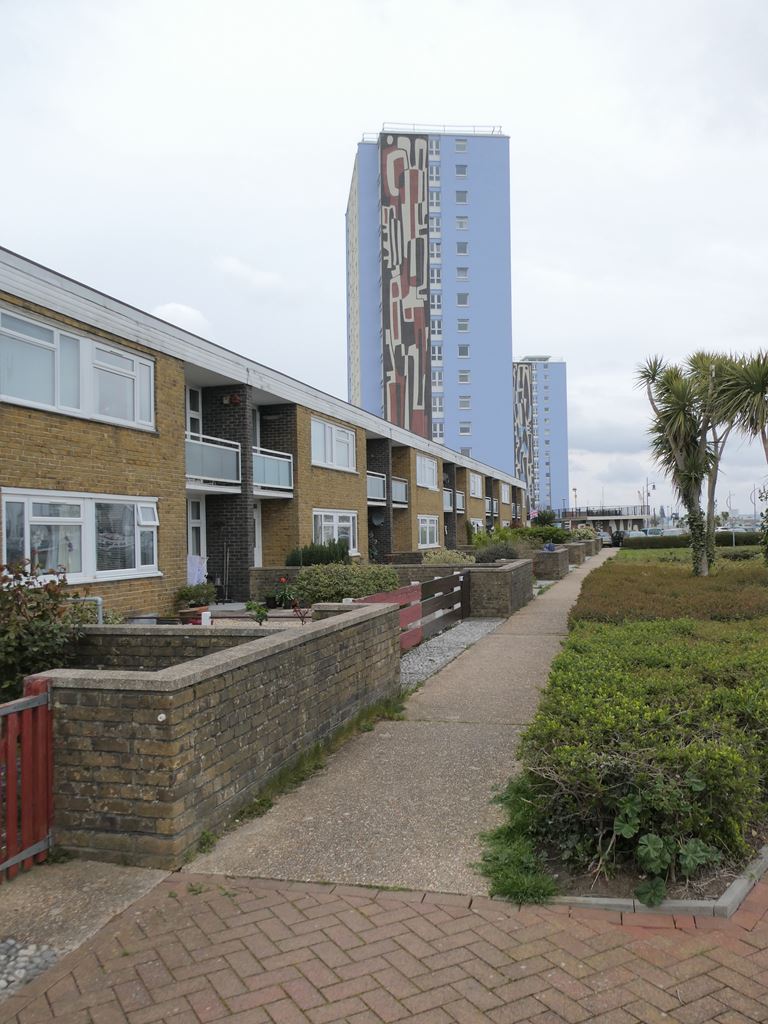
x=447, y=556
x=722, y=540
x=649, y=750
x=683, y=555
x=624, y=590
x=536, y=535
x=335, y=582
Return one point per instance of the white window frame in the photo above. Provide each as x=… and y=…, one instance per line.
x=461, y=145
x=428, y=531
x=462, y=299
x=433, y=147
x=462, y=197
x=438, y=405
x=465, y=401
x=437, y=377
x=435, y=249
x=437, y=351
x=463, y=354
x=462, y=223
x=435, y=277
x=145, y=519
x=435, y=225
x=436, y=302
x=334, y=514
x=462, y=170
x=462, y=325
x=436, y=327
x=462, y=273
x=465, y=428
x=475, y=485
x=335, y=439
x=506, y=494
x=89, y=351
x=426, y=472
x=438, y=430
x=434, y=200
x=462, y=248
x=465, y=377
x=477, y=525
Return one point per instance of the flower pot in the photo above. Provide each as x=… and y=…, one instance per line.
x=192, y=616
x=270, y=601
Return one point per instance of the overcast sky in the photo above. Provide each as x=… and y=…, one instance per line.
x=193, y=157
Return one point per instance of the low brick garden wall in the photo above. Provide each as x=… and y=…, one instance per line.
x=156, y=647
x=577, y=552
x=146, y=761
x=550, y=565
x=496, y=591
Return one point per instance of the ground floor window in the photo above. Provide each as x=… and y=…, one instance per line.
x=477, y=525
x=89, y=536
x=335, y=524
x=429, y=527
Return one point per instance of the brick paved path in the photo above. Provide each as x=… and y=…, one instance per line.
x=208, y=948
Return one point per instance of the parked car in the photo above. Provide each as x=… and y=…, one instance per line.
x=673, y=531
x=731, y=529
x=605, y=537
x=653, y=531
x=633, y=533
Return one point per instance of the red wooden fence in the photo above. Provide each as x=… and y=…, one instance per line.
x=26, y=779
x=426, y=608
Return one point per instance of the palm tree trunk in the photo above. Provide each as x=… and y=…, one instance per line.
x=710, y=528
x=697, y=528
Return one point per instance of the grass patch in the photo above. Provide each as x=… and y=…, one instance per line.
x=626, y=590
x=682, y=556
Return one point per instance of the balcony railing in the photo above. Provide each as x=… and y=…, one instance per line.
x=272, y=471
x=377, y=487
x=447, y=500
x=212, y=460
x=605, y=511
x=459, y=501
x=399, y=491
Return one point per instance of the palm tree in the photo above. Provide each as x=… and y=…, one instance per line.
x=679, y=442
x=744, y=392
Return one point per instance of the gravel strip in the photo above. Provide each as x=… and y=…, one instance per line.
x=19, y=963
x=423, y=661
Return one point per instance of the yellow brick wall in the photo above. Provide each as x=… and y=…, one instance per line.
x=421, y=501
x=475, y=506
x=46, y=450
x=318, y=487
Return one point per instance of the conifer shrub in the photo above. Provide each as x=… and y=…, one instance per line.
x=335, y=582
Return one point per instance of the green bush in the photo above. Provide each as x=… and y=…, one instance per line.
x=38, y=625
x=722, y=540
x=447, y=556
x=649, y=748
x=493, y=552
x=319, y=554
x=335, y=582
x=531, y=534
x=195, y=595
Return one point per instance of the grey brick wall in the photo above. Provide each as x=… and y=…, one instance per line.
x=138, y=648
x=550, y=565
x=497, y=591
x=577, y=552
x=145, y=761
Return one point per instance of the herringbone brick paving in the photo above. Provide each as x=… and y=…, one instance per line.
x=206, y=948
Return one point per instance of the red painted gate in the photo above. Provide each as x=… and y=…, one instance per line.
x=426, y=608
x=26, y=779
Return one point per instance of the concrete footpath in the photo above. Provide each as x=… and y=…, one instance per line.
x=403, y=805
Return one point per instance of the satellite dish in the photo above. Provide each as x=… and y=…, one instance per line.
x=377, y=518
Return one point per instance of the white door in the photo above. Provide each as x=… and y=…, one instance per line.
x=196, y=526
x=257, y=556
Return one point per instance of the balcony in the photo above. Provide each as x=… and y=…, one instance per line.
x=447, y=500
x=272, y=471
x=459, y=501
x=212, y=462
x=376, y=488
x=399, y=491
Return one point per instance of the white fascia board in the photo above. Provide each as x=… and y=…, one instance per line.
x=28, y=280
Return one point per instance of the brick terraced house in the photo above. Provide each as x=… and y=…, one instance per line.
x=131, y=449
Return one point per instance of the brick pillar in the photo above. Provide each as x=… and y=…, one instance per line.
x=228, y=413
x=380, y=537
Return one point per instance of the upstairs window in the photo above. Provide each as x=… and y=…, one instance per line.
x=475, y=485
x=332, y=446
x=426, y=472
x=505, y=494
x=48, y=368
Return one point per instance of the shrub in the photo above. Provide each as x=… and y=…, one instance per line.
x=319, y=554
x=38, y=625
x=195, y=595
x=722, y=540
x=620, y=591
x=648, y=748
x=447, y=556
x=509, y=535
x=493, y=552
x=583, y=533
x=335, y=582
x=257, y=611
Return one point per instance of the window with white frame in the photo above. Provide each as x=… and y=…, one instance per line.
x=437, y=378
x=477, y=525
x=435, y=277
x=465, y=402
x=437, y=405
x=436, y=327
x=462, y=273
x=462, y=223
x=438, y=430
x=461, y=170
x=436, y=302
x=53, y=369
x=462, y=325
x=335, y=524
x=463, y=351
x=435, y=250
x=462, y=298
x=462, y=248
x=465, y=451
x=429, y=531
x=89, y=536
x=464, y=377
x=461, y=145
x=506, y=494
x=434, y=199
x=435, y=225
x=465, y=427
x=426, y=472
x=462, y=197
x=475, y=485
x=437, y=353
x=332, y=446
x=434, y=147
x=434, y=174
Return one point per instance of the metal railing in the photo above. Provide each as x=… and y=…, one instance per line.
x=399, y=491
x=272, y=471
x=459, y=501
x=212, y=459
x=447, y=500
x=604, y=511
x=376, y=487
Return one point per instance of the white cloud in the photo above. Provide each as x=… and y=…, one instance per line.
x=186, y=317
x=265, y=282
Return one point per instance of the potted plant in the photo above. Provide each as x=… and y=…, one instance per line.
x=191, y=601
x=257, y=611
x=284, y=593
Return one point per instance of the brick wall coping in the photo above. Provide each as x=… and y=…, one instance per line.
x=140, y=630
x=265, y=644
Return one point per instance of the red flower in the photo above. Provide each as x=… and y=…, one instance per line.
x=283, y=579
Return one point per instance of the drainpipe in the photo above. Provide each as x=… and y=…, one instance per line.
x=98, y=601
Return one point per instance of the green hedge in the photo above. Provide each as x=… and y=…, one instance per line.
x=319, y=554
x=335, y=582
x=722, y=540
x=650, y=747
x=532, y=535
